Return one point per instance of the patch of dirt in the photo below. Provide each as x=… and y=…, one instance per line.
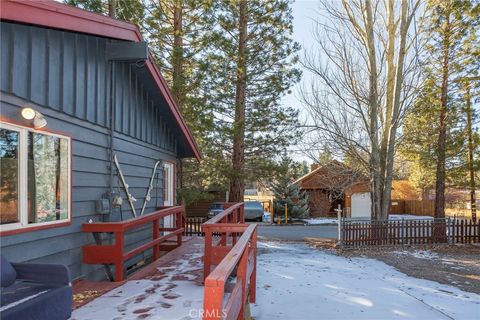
x=143, y=310
x=456, y=265
x=86, y=295
x=140, y=298
x=165, y=305
x=171, y=295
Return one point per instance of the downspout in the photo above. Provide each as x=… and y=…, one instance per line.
x=112, y=130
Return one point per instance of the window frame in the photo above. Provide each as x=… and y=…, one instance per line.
x=23, y=225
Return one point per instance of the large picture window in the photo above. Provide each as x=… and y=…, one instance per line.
x=35, y=178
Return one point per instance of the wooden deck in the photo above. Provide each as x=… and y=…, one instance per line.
x=86, y=291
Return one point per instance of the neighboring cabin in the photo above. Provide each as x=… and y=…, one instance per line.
x=91, y=79
x=335, y=184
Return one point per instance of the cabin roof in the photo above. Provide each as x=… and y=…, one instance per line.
x=329, y=175
x=52, y=14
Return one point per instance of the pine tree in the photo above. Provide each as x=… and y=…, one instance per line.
x=451, y=23
x=177, y=33
x=250, y=65
x=132, y=11
x=286, y=192
x=420, y=139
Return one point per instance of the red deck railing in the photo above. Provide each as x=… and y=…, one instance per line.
x=228, y=225
x=236, y=247
x=243, y=256
x=115, y=253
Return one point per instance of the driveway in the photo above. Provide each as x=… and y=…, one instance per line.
x=297, y=232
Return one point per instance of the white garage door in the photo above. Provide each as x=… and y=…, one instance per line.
x=361, y=205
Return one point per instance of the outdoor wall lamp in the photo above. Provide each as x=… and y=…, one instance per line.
x=39, y=120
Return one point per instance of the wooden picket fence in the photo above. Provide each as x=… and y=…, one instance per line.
x=360, y=233
x=193, y=226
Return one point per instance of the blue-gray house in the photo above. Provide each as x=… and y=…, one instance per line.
x=84, y=112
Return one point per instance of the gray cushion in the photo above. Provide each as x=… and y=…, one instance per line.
x=7, y=273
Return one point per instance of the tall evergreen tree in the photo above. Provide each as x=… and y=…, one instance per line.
x=250, y=65
x=451, y=24
x=132, y=11
x=177, y=33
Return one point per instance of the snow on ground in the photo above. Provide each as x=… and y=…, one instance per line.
x=408, y=217
x=420, y=254
x=298, y=282
x=161, y=297
x=316, y=221
x=294, y=282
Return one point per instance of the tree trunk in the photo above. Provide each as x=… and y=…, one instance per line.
x=442, y=134
x=389, y=101
x=178, y=83
x=112, y=8
x=237, y=184
x=373, y=114
x=394, y=116
x=468, y=111
x=177, y=55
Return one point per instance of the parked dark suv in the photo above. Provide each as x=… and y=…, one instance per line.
x=215, y=209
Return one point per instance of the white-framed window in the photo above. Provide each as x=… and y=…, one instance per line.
x=34, y=178
x=168, y=184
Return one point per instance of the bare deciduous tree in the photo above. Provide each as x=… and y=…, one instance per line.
x=366, y=75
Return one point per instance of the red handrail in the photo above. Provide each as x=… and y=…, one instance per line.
x=229, y=222
x=243, y=254
x=115, y=254
x=227, y=214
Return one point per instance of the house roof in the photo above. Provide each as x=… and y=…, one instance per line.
x=316, y=170
x=330, y=175
x=56, y=15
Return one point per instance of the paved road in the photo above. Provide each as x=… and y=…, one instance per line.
x=297, y=232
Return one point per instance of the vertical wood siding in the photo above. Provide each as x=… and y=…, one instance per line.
x=65, y=76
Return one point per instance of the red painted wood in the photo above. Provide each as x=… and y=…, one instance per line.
x=99, y=254
x=243, y=256
x=234, y=303
x=114, y=254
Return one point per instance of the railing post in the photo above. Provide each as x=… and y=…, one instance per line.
x=213, y=301
x=253, y=277
x=242, y=276
x=156, y=233
x=119, y=243
x=179, y=224
x=223, y=241
x=234, y=234
x=207, y=258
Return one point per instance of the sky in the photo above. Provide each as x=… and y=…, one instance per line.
x=304, y=11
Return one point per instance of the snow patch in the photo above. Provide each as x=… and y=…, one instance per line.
x=420, y=254
x=299, y=282
x=173, y=296
x=408, y=217
x=317, y=221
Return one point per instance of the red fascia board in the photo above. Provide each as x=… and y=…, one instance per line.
x=59, y=16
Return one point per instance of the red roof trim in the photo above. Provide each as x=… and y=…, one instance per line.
x=59, y=16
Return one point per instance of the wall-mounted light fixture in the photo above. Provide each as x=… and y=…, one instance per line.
x=39, y=120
